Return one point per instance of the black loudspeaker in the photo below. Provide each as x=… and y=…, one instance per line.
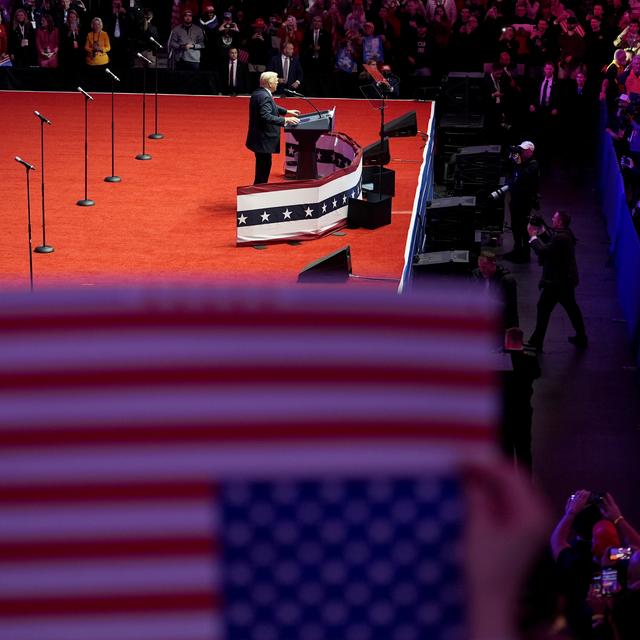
x=383, y=180
x=443, y=263
x=451, y=223
x=376, y=154
x=371, y=213
x=403, y=127
x=333, y=268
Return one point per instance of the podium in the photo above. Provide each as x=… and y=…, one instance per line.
x=297, y=210
x=306, y=133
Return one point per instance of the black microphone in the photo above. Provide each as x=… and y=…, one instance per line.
x=113, y=75
x=291, y=92
x=42, y=117
x=143, y=58
x=152, y=39
x=24, y=163
x=84, y=93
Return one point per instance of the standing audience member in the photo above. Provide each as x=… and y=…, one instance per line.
x=72, y=39
x=579, y=123
x=556, y=252
x=259, y=46
x=186, y=43
x=97, y=46
x=316, y=57
x=141, y=38
x=209, y=23
x=48, y=43
x=117, y=27
x=5, y=58
x=234, y=76
x=22, y=40
x=545, y=109
x=287, y=67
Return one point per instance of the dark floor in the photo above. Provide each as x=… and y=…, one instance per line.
x=586, y=423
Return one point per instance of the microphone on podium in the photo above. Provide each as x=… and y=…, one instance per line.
x=291, y=92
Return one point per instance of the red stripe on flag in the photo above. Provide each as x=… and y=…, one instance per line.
x=75, y=493
x=256, y=374
x=267, y=432
x=216, y=319
x=78, y=605
x=71, y=549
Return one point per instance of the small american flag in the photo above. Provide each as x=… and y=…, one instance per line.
x=224, y=464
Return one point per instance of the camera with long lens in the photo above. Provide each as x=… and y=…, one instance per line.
x=498, y=193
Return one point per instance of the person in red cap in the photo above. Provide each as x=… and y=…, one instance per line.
x=259, y=46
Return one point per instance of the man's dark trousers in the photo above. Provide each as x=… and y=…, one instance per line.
x=549, y=297
x=263, y=167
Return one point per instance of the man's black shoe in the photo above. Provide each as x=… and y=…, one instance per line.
x=579, y=341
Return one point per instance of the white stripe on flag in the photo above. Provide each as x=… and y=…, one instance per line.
x=195, y=625
x=156, y=575
x=218, y=405
x=200, y=463
x=125, y=348
x=106, y=520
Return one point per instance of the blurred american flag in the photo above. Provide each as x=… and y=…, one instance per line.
x=204, y=464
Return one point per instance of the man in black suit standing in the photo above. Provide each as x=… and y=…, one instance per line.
x=287, y=67
x=317, y=55
x=265, y=120
x=544, y=106
x=234, y=75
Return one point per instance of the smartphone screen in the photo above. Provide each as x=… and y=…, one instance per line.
x=619, y=553
x=610, y=584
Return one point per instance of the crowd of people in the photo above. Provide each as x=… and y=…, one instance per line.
x=547, y=66
x=331, y=40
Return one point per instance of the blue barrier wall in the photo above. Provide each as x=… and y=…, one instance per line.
x=424, y=193
x=624, y=242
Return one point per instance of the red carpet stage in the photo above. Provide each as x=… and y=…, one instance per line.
x=172, y=217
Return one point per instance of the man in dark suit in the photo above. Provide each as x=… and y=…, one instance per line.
x=580, y=110
x=545, y=107
x=317, y=52
x=556, y=249
x=287, y=67
x=265, y=120
x=234, y=75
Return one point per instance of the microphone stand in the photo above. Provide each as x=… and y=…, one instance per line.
x=144, y=155
x=28, y=168
x=155, y=135
x=86, y=202
x=290, y=92
x=44, y=247
x=113, y=177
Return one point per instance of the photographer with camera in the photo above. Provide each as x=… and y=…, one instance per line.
x=523, y=187
x=555, y=247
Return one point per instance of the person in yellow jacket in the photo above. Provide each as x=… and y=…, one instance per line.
x=97, y=46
